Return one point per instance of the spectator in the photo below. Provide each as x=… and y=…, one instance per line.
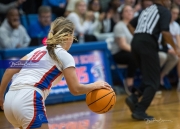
x=12, y=33
x=83, y=21
x=121, y=48
x=167, y=55
x=177, y=2
x=58, y=6
x=168, y=59
x=94, y=5
x=5, y=7
x=111, y=17
x=170, y=56
x=127, y=2
x=40, y=28
x=71, y=6
x=175, y=31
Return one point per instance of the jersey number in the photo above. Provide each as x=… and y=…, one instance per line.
x=37, y=56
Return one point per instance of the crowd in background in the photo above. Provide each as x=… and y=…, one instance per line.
x=94, y=20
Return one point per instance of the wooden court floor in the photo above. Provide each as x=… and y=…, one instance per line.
x=165, y=108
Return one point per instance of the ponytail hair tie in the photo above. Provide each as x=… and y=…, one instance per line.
x=44, y=41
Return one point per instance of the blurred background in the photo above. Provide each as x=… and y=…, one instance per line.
x=102, y=51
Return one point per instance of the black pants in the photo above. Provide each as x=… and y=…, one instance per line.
x=125, y=57
x=145, y=50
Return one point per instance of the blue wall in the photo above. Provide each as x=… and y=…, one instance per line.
x=75, y=49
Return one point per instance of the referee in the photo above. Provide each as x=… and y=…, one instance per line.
x=146, y=29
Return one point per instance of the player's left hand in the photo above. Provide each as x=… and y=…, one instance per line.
x=1, y=101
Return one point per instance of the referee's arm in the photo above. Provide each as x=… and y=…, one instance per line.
x=131, y=28
x=168, y=39
x=132, y=25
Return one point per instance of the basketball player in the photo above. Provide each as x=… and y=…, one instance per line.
x=24, y=103
x=148, y=25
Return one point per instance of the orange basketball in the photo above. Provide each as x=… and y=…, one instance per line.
x=101, y=100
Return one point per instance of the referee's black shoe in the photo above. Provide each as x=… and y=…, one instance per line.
x=131, y=102
x=141, y=116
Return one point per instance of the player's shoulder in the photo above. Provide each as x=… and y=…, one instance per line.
x=43, y=48
x=62, y=52
x=37, y=51
x=40, y=49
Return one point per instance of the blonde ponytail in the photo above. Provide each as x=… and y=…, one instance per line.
x=61, y=30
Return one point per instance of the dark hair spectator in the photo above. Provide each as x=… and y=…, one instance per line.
x=12, y=33
x=95, y=6
x=111, y=17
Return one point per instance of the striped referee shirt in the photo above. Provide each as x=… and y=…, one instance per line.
x=153, y=20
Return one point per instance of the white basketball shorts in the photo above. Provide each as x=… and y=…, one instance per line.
x=25, y=108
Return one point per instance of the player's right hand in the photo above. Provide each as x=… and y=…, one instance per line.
x=102, y=84
x=1, y=101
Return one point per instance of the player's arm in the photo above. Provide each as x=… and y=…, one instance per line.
x=78, y=89
x=7, y=78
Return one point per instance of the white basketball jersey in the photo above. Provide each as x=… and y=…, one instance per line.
x=47, y=72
